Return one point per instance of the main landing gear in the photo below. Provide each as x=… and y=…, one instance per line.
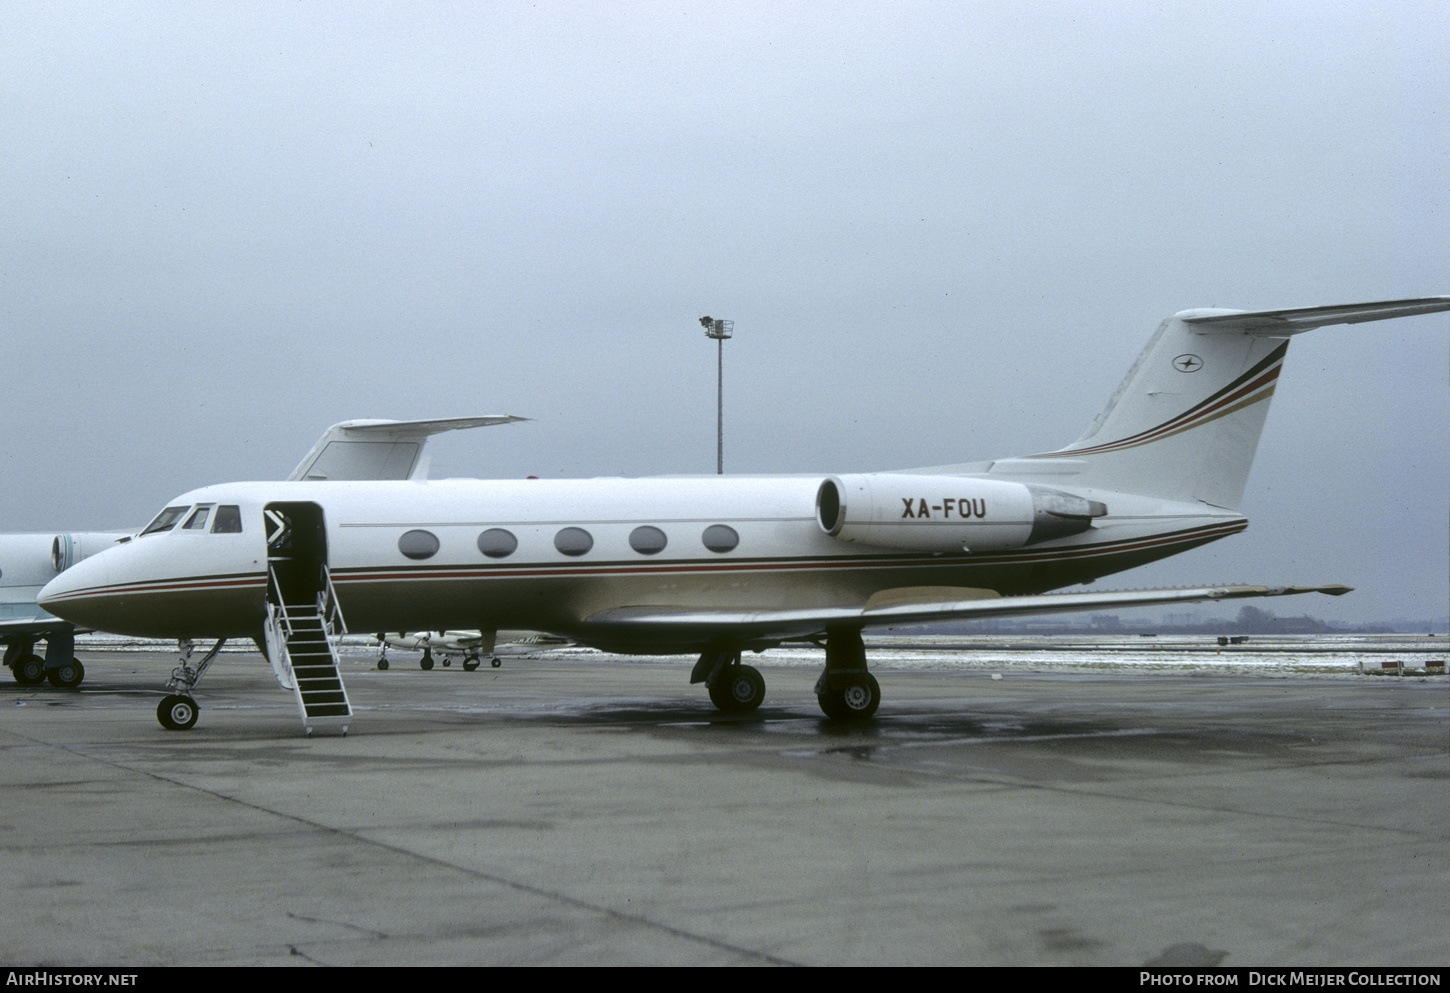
x=68, y=675
x=29, y=669
x=845, y=691
x=733, y=688
x=474, y=660
x=178, y=711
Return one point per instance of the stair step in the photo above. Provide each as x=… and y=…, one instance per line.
x=301, y=637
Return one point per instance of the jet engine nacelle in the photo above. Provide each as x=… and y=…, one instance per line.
x=68, y=549
x=948, y=513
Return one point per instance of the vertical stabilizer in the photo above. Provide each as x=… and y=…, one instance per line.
x=1186, y=421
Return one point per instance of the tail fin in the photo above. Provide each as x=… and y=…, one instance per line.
x=1186, y=421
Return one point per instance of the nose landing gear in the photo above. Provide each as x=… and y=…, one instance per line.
x=178, y=711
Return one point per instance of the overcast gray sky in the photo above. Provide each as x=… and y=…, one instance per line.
x=944, y=231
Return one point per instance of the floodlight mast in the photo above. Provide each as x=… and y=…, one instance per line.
x=719, y=330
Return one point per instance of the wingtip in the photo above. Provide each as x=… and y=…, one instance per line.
x=1328, y=589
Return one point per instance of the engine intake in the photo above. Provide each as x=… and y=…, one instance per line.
x=68, y=549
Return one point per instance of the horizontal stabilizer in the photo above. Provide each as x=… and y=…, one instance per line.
x=688, y=624
x=380, y=449
x=1280, y=323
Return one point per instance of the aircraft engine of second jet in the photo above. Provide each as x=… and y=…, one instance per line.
x=68, y=549
x=948, y=513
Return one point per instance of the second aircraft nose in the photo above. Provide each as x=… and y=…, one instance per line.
x=77, y=592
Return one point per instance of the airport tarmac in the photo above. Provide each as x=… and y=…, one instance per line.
x=579, y=809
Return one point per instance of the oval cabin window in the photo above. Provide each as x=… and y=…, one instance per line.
x=418, y=544
x=647, y=540
x=497, y=543
x=720, y=538
x=573, y=541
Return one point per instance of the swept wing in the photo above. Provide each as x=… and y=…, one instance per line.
x=890, y=608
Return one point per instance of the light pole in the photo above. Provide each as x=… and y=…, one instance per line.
x=719, y=330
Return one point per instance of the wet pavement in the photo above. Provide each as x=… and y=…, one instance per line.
x=584, y=810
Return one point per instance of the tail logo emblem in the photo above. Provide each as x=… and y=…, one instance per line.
x=1188, y=363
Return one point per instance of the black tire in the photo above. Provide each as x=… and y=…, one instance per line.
x=68, y=676
x=427, y=662
x=737, y=689
x=29, y=670
x=851, y=698
x=177, y=712
x=717, y=693
x=382, y=664
x=495, y=662
x=470, y=664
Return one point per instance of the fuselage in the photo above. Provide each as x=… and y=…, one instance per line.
x=545, y=555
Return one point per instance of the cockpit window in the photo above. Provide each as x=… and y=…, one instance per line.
x=228, y=520
x=166, y=520
x=197, y=520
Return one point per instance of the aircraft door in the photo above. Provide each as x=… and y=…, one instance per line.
x=296, y=551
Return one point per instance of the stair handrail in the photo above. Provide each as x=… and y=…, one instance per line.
x=277, y=607
x=328, y=608
x=277, y=632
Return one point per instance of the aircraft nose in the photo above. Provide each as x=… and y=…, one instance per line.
x=77, y=594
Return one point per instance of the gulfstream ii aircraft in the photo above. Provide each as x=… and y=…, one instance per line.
x=718, y=565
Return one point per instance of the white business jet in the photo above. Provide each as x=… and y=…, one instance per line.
x=361, y=449
x=719, y=565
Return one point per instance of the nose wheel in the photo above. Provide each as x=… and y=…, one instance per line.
x=177, y=712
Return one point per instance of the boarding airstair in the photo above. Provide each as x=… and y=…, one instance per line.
x=301, y=647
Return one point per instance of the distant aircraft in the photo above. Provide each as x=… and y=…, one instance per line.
x=352, y=450
x=720, y=565
x=472, y=645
